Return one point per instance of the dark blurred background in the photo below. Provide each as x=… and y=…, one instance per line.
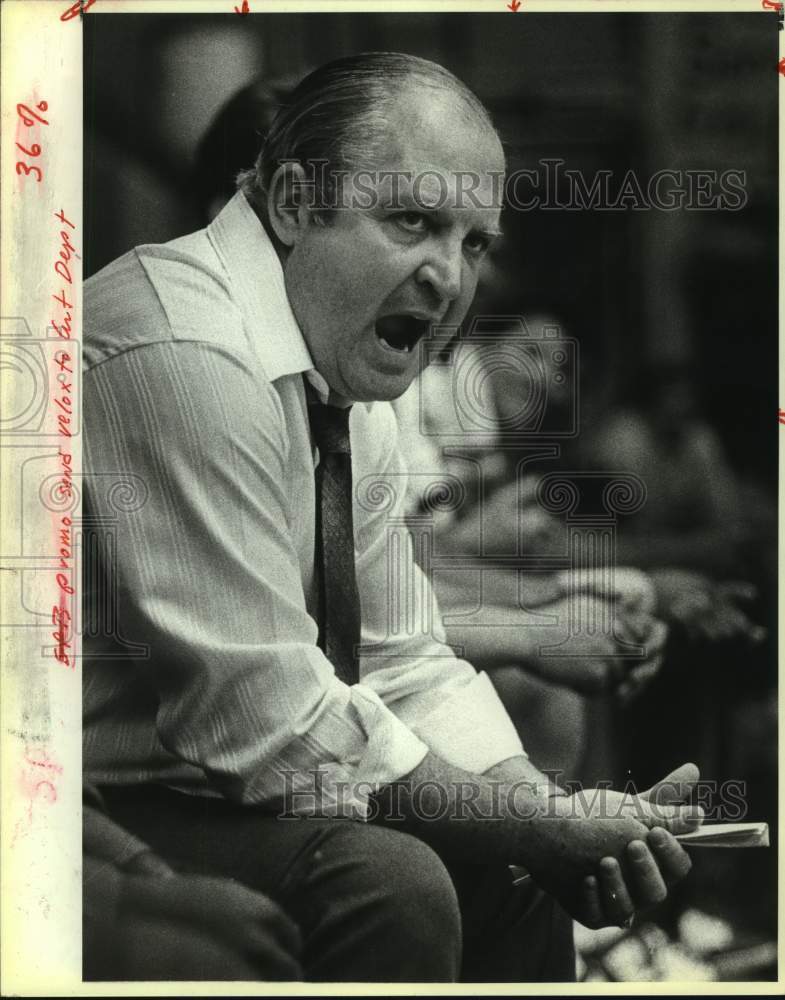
x=644, y=292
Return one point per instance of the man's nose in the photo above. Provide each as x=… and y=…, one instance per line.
x=442, y=270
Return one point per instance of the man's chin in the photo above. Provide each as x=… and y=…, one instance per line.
x=376, y=387
x=384, y=393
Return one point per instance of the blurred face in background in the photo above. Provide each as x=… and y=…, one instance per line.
x=366, y=284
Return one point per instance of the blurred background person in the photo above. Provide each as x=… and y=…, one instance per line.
x=511, y=619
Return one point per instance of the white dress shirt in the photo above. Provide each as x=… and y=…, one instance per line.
x=210, y=679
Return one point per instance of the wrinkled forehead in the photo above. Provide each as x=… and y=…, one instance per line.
x=440, y=150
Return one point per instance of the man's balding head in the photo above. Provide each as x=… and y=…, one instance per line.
x=342, y=115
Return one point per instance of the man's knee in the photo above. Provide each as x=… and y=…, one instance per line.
x=419, y=881
x=399, y=896
x=421, y=905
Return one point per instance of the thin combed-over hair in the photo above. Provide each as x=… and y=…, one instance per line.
x=337, y=119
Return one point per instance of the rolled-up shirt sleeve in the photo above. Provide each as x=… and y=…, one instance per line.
x=208, y=578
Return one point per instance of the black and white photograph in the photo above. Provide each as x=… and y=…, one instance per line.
x=410, y=495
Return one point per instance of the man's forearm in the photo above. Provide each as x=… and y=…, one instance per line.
x=521, y=769
x=489, y=645
x=470, y=817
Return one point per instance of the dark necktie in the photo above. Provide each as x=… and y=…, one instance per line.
x=339, y=600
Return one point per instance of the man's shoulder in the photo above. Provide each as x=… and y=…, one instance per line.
x=157, y=293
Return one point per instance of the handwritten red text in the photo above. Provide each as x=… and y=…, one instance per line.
x=32, y=120
x=61, y=619
x=63, y=399
x=76, y=9
x=38, y=780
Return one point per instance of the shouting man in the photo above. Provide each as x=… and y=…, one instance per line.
x=236, y=380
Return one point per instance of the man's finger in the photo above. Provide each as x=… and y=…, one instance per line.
x=646, y=669
x=674, y=819
x=672, y=860
x=641, y=675
x=674, y=787
x=657, y=638
x=591, y=910
x=614, y=896
x=740, y=624
x=589, y=674
x=738, y=590
x=643, y=875
x=724, y=623
x=634, y=626
x=637, y=679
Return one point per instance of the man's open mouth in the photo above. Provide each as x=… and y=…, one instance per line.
x=401, y=332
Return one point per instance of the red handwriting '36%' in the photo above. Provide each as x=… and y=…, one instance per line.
x=30, y=119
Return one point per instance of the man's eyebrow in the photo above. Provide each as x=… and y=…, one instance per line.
x=437, y=210
x=492, y=232
x=489, y=233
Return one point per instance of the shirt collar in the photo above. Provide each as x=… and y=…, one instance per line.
x=256, y=275
x=255, y=271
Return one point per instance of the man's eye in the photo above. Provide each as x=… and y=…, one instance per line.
x=412, y=222
x=476, y=244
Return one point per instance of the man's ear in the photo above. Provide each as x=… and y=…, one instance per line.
x=289, y=202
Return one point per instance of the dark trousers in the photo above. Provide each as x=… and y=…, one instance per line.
x=374, y=904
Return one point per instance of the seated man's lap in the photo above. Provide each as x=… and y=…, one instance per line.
x=373, y=903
